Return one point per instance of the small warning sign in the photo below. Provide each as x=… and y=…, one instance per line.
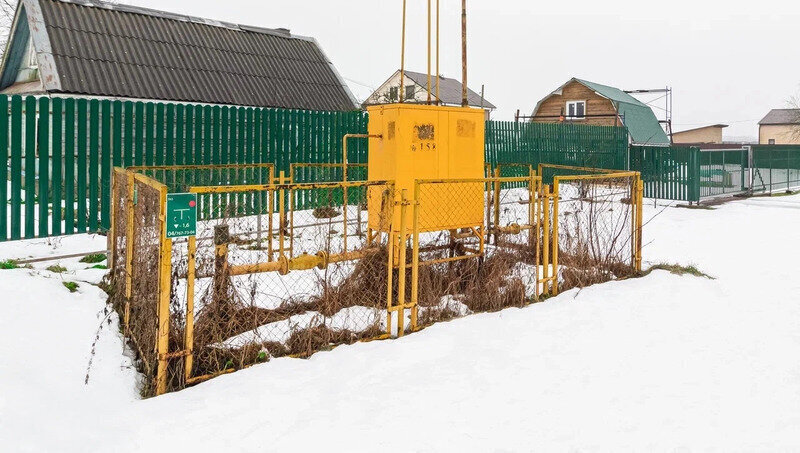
x=181, y=215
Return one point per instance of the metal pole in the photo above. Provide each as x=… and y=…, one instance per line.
x=438, y=99
x=403, y=56
x=464, y=101
x=429, y=52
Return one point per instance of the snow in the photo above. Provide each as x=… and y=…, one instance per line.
x=661, y=363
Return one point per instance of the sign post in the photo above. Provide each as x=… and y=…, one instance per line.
x=181, y=215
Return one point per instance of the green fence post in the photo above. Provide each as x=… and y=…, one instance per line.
x=30, y=166
x=4, y=147
x=94, y=162
x=43, y=149
x=16, y=167
x=105, y=166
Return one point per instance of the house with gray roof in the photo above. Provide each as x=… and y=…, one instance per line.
x=93, y=48
x=780, y=127
x=416, y=91
x=583, y=102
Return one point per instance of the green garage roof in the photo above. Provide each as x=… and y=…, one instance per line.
x=642, y=124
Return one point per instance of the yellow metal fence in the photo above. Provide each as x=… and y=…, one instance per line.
x=356, y=261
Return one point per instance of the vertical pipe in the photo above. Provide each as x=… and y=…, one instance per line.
x=344, y=216
x=415, y=259
x=344, y=152
x=281, y=213
x=429, y=52
x=401, y=90
x=401, y=268
x=188, y=340
x=438, y=99
x=464, y=101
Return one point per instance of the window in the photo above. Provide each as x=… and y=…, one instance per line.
x=576, y=110
x=771, y=141
x=409, y=93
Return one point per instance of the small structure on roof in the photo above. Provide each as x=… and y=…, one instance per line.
x=780, y=127
x=416, y=91
x=94, y=48
x=705, y=135
x=585, y=102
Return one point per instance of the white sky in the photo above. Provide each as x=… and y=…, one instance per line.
x=728, y=62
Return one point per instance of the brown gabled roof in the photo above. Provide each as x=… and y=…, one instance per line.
x=104, y=49
x=781, y=116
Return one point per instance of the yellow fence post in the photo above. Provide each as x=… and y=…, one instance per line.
x=545, y=245
x=639, y=222
x=164, y=284
x=401, y=268
x=389, y=282
x=496, y=227
x=556, y=195
x=129, y=239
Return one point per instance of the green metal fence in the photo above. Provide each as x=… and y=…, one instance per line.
x=57, y=153
x=557, y=143
x=668, y=172
x=775, y=168
x=723, y=172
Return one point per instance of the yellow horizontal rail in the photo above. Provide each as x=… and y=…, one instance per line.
x=273, y=187
x=626, y=174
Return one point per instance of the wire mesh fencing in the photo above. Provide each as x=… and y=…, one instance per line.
x=292, y=283
x=289, y=269
x=139, y=282
x=597, y=223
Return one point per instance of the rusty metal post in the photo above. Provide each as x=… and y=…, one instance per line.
x=221, y=240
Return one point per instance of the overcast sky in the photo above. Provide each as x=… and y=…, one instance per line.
x=728, y=62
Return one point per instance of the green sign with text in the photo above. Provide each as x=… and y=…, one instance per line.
x=181, y=215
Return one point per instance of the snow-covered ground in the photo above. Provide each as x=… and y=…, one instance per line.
x=661, y=363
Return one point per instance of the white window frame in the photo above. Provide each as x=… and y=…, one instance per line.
x=575, y=118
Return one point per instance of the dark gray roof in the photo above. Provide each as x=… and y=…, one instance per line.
x=781, y=116
x=449, y=90
x=112, y=50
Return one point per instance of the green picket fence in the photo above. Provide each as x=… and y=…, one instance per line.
x=57, y=153
x=668, y=172
x=776, y=168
